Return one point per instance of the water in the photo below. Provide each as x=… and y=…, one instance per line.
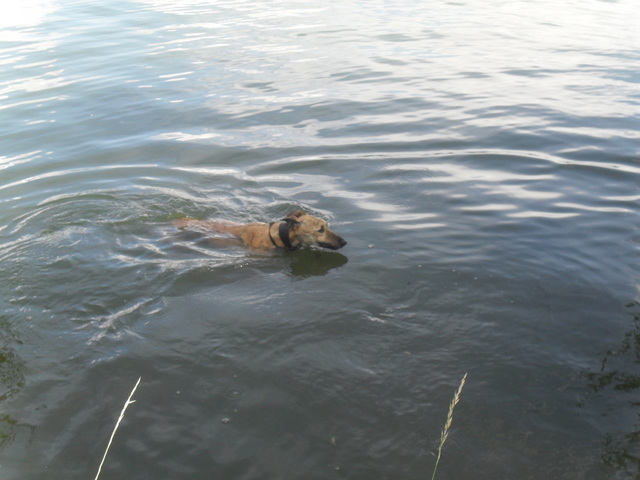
x=481, y=159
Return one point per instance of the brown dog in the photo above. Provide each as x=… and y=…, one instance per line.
x=294, y=231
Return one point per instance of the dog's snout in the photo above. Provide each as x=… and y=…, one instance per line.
x=338, y=242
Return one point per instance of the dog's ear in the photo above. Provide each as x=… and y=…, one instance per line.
x=292, y=222
x=295, y=215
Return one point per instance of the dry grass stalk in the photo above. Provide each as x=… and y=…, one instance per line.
x=447, y=425
x=127, y=403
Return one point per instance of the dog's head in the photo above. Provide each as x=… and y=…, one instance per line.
x=307, y=230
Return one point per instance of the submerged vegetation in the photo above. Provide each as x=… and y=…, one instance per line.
x=619, y=373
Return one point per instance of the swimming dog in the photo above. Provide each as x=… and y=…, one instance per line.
x=296, y=230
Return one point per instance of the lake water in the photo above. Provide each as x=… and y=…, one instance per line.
x=482, y=158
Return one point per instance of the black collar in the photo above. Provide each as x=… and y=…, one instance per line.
x=283, y=233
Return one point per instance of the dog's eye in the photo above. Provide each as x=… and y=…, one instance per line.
x=321, y=229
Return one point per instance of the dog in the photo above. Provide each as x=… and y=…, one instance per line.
x=296, y=230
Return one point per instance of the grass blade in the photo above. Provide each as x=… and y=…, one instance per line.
x=126, y=404
x=447, y=425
